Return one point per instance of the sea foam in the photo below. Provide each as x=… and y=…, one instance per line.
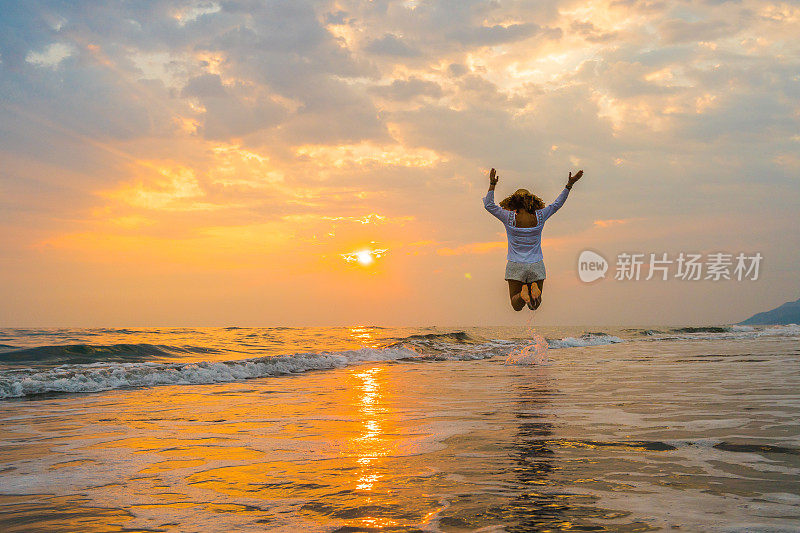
x=589, y=339
x=98, y=377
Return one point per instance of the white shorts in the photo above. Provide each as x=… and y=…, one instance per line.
x=525, y=272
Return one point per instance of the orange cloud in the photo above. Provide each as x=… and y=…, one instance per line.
x=369, y=154
x=175, y=188
x=234, y=166
x=612, y=222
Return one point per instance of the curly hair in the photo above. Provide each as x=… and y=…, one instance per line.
x=522, y=199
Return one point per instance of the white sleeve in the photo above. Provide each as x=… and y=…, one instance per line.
x=548, y=211
x=503, y=215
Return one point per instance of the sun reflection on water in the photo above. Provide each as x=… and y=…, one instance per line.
x=371, y=444
x=367, y=336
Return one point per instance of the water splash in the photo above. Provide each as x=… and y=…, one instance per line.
x=534, y=353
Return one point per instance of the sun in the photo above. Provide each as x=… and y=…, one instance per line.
x=364, y=257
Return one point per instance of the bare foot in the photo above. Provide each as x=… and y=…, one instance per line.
x=535, y=292
x=534, y=305
x=525, y=295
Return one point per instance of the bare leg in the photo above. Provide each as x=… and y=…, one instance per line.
x=537, y=301
x=514, y=292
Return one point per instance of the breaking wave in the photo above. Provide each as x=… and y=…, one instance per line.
x=722, y=332
x=98, y=377
x=452, y=345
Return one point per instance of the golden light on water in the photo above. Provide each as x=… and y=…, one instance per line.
x=366, y=336
x=371, y=445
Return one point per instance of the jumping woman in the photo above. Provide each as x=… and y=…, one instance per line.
x=524, y=214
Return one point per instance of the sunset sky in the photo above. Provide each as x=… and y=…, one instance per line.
x=323, y=163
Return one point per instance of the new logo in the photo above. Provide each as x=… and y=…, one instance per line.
x=591, y=266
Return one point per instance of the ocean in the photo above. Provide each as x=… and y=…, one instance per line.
x=400, y=429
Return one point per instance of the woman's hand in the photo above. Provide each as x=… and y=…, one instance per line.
x=572, y=179
x=493, y=179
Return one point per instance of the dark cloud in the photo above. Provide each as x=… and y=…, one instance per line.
x=204, y=86
x=227, y=117
x=336, y=17
x=477, y=134
x=391, y=45
x=621, y=79
x=456, y=69
x=745, y=117
x=402, y=90
x=334, y=112
x=89, y=99
x=497, y=34
x=591, y=33
x=678, y=31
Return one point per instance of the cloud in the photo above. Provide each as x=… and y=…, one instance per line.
x=176, y=188
x=613, y=222
x=403, y=90
x=51, y=56
x=368, y=154
x=499, y=34
x=204, y=86
x=591, y=33
x=390, y=45
x=677, y=30
x=242, y=110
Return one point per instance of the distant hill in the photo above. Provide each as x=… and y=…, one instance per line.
x=788, y=313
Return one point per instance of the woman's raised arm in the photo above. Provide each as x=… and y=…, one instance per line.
x=501, y=214
x=548, y=211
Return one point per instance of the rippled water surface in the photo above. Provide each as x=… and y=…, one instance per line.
x=366, y=429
